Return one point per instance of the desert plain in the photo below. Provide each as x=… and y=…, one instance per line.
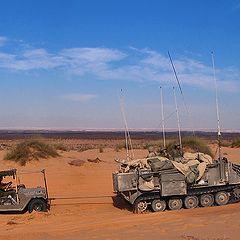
x=85, y=206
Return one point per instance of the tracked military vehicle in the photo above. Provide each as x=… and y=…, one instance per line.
x=167, y=187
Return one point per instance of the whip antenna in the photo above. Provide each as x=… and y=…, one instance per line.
x=163, y=120
x=217, y=107
x=128, y=141
x=181, y=91
x=178, y=120
x=176, y=76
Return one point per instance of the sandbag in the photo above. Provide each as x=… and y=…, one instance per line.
x=145, y=185
x=157, y=165
x=189, y=156
x=201, y=168
x=190, y=170
x=192, y=163
x=180, y=159
x=147, y=177
x=143, y=163
x=202, y=157
x=158, y=158
x=192, y=174
x=183, y=168
x=205, y=158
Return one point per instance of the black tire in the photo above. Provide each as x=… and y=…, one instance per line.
x=221, y=198
x=140, y=206
x=191, y=202
x=206, y=200
x=38, y=205
x=175, y=204
x=158, y=205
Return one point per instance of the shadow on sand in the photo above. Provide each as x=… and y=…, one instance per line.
x=120, y=203
x=13, y=212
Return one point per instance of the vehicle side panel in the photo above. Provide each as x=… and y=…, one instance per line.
x=24, y=197
x=173, y=184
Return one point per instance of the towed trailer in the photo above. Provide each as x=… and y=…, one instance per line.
x=16, y=197
x=219, y=185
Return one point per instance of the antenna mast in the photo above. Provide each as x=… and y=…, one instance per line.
x=128, y=141
x=217, y=107
x=178, y=120
x=181, y=91
x=163, y=120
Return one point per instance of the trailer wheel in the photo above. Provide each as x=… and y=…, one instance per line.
x=175, y=203
x=37, y=205
x=158, y=205
x=140, y=206
x=191, y=202
x=221, y=198
x=206, y=200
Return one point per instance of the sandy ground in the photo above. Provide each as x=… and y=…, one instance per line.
x=99, y=218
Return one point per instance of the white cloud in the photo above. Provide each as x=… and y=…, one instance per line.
x=3, y=40
x=143, y=65
x=77, y=60
x=76, y=97
x=94, y=61
x=31, y=59
x=93, y=54
x=155, y=60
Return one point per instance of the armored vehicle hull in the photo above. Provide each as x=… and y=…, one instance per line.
x=146, y=189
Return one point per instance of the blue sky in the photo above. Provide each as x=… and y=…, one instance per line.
x=63, y=63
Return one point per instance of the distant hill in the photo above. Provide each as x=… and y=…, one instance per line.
x=75, y=134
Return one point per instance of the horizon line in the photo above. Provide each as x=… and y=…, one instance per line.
x=112, y=129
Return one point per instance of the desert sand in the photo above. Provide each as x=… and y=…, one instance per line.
x=96, y=217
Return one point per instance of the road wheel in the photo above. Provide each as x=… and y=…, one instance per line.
x=140, y=206
x=206, y=200
x=158, y=205
x=37, y=205
x=191, y=202
x=175, y=203
x=221, y=198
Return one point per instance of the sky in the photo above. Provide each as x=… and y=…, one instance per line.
x=63, y=64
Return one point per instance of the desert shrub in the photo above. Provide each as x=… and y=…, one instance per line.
x=61, y=147
x=122, y=145
x=225, y=143
x=235, y=143
x=119, y=146
x=101, y=149
x=197, y=145
x=192, y=144
x=83, y=147
x=30, y=150
x=155, y=144
x=18, y=153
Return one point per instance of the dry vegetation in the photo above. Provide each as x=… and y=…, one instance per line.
x=196, y=145
x=34, y=149
x=190, y=144
x=235, y=143
x=30, y=150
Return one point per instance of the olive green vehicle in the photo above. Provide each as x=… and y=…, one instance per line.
x=15, y=197
x=219, y=185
